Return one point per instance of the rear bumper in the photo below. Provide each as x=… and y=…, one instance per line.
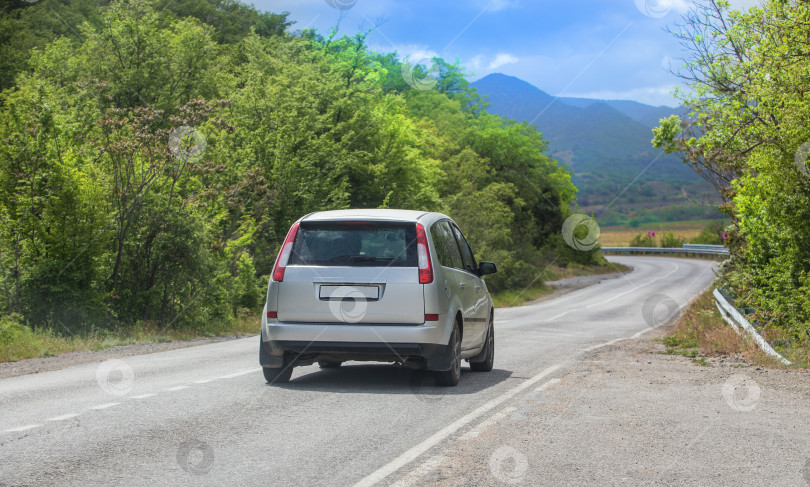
x=308, y=343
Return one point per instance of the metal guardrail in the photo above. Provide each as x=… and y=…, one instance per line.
x=708, y=246
x=703, y=246
x=661, y=250
x=740, y=324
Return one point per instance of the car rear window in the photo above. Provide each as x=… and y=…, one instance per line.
x=355, y=244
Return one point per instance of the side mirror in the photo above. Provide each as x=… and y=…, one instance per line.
x=487, y=268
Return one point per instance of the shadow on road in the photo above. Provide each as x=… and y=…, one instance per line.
x=390, y=379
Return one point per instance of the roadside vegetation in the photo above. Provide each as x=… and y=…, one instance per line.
x=701, y=332
x=518, y=297
x=154, y=153
x=748, y=135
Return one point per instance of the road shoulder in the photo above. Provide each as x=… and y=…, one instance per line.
x=630, y=414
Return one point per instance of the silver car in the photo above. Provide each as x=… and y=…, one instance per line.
x=377, y=285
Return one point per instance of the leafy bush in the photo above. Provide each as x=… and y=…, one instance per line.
x=670, y=241
x=643, y=240
x=710, y=235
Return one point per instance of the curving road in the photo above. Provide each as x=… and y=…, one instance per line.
x=203, y=415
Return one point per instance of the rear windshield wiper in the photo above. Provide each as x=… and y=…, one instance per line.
x=364, y=258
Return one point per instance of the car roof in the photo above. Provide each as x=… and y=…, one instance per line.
x=370, y=214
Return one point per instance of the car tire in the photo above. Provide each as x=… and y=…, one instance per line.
x=279, y=375
x=326, y=364
x=450, y=378
x=489, y=357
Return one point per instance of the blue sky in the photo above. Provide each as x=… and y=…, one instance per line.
x=609, y=49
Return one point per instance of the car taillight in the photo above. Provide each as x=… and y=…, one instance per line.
x=423, y=256
x=284, y=254
x=272, y=314
x=431, y=317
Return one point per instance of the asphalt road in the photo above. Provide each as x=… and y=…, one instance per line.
x=204, y=416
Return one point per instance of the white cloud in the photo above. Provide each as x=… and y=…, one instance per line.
x=416, y=53
x=651, y=95
x=475, y=63
x=502, y=59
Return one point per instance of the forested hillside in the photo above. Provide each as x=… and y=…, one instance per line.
x=154, y=153
x=620, y=176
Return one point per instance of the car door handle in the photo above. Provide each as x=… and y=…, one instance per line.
x=477, y=288
x=461, y=285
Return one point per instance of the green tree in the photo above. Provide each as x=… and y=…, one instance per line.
x=746, y=72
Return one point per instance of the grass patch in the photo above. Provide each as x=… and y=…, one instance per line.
x=702, y=329
x=19, y=342
x=621, y=235
x=701, y=361
x=509, y=298
x=518, y=297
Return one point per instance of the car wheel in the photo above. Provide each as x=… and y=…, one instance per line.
x=451, y=377
x=279, y=375
x=326, y=364
x=489, y=359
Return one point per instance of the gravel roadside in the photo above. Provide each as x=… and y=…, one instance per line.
x=570, y=284
x=628, y=414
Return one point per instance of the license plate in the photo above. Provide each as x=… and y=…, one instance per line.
x=360, y=293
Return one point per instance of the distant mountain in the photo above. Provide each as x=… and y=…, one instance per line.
x=646, y=115
x=607, y=145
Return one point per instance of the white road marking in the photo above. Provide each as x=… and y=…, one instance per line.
x=555, y=317
x=414, y=476
x=483, y=426
x=442, y=434
x=237, y=374
x=105, y=405
x=547, y=385
x=641, y=333
x=677, y=267
x=144, y=396
x=594, y=347
x=22, y=428
x=63, y=417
